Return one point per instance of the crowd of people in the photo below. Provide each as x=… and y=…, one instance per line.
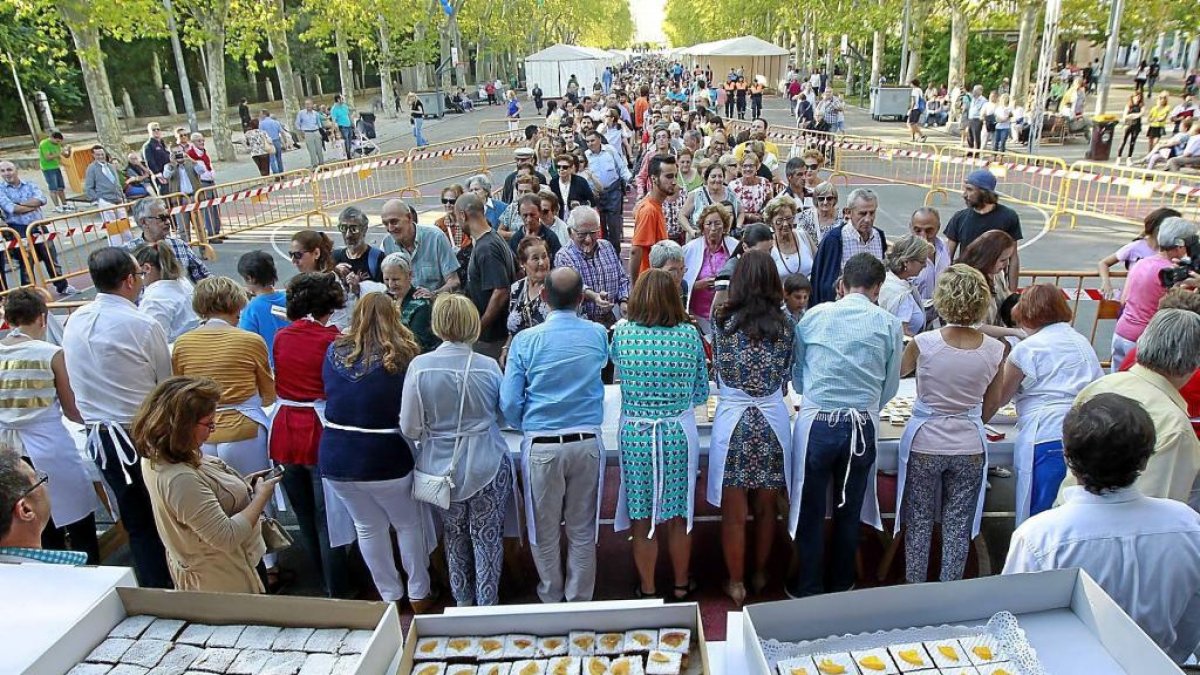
x=399, y=370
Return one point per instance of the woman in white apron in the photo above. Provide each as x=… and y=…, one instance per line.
x=237, y=360
x=752, y=356
x=296, y=429
x=943, y=452
x=663, y=378
x=37, y=394
x=1045, y=372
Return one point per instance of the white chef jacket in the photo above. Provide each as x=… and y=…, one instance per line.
x=1144, y=552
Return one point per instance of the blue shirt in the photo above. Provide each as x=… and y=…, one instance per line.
x=340, y=114
x=433, y=259
x=11, y=197
x=271, y=127
x=607, y=166
x=42, y=555
x=552, y=377
x=307, y=120
x=847, y=355
x=260, y=317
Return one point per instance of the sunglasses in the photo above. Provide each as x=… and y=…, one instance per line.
x=826, y=199
x=565, y=167
x=297, y=255
x=546, y=212
x=342, y=227
x=447, y=202
x=812, y=167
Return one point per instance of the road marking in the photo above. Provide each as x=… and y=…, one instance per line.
x=1045, y=227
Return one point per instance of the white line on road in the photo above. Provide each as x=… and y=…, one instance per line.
x=1045, y=228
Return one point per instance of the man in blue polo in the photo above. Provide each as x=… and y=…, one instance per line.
x=274, y=130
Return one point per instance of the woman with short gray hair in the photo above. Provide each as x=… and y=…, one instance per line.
x=824, y=215
x=1170, y=345
x=1144, y=288
x=481, y=186
x=415, y=313
x=904, y=261
x=667, y=255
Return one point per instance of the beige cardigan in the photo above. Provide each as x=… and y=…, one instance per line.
x=207, y=548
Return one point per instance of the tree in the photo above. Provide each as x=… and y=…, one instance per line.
x=209, y=17
x=1025, y=44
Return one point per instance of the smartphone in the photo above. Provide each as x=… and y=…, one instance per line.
x=275, y=472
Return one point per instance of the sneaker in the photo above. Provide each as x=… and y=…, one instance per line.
x=68, y=291
x=999, y=472
x=60, y=209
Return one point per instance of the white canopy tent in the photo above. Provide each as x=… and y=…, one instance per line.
x=753, y=55
x=552, y=68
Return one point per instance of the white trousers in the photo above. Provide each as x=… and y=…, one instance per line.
x=377, y=507
x=246, y=457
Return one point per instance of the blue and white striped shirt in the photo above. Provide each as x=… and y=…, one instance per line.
x=847, y=355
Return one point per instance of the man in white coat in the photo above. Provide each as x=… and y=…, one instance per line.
x=1144, y=552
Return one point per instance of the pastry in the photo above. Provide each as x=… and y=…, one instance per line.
x=982, y=650
x=910, y=657
x=520, y=647
x=495, y=669
x=195, y=634
x=1001, y=668
x=164, y=629
x=563, y=665
x=215, y=660
x=132, y=627
x=128, y=669
x=610, y=644
x=97, y=669
x=594, y=665
x=798, y=666
x=224, y=636
x=284, y=663
x=554, y=645
x=659, y=662
x=291, y=639
x=581, y=643
x=429, y=669
x=675, y=640
x=461, y=649
x=178, y=660
x=356, y=642
x=326, y=640
x=626, y=665
x=640, y=641
x=250, y=662
x=347, y=665
x=110, y=651
x=460, y=669
x=258, y=637
x=322, y=664
x=428, y=649
x=947, y=654
x=491, y=648
x=146, y=652
x=872, y=661
x=527, y=667
x=834, y=664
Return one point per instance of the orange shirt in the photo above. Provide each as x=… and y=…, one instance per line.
x=649, y=228
x=640, y=106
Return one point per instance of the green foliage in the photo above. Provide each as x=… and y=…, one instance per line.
x=989, y=58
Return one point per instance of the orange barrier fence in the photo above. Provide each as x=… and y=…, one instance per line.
x=230, y=208
x=351, y=181
x=16, y=268
x=1127, y=194
x=1093, y=314
x=1025, y=179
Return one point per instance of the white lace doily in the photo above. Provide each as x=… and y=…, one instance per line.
x=1002, y=627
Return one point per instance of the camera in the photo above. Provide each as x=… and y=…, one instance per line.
x=1184, y=267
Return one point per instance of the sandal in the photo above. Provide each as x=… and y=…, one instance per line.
x=684, y=593
x=642, y=595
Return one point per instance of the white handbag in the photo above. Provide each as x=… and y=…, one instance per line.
x=433, y=489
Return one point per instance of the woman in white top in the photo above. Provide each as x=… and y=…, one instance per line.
x=1045, y=372
x=944, y=447
x=1004, y=116
x=37, y=394
x=825, y=216
x=451, y=409
x=168, y=292
x=793, y=251
x=904, y=261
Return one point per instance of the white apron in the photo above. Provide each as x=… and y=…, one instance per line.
x=730, y=406
x=337, y=516
x=687, y=420
x=122, y=446
x=922, y=413
x=48, y=444
x=1028, y=426
x=526, y=442
x=804, y=421
x=252, y=408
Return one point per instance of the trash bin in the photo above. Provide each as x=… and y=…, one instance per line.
x=1103, y=129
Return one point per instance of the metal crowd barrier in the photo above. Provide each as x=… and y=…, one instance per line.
x=342, y=183
x=244, y=205
x=1025, y=179
x=1093, y=314
x=1126, y=194
x=15, y=263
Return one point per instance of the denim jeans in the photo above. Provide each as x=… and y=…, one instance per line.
x=1049, y=471
x=277, y=156
x=1000, y=140
x=418, y=136
x=611, y=205
x=828, y=460
x=306, y=495
x=347, y=140
x=137, y=516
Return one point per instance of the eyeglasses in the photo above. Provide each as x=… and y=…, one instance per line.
x=826, y=199
x=42, y=478
x=546, y=212
x=297, y=255
x=212, y=426
x=589, y=234
x=344, y=227
x=812, y=167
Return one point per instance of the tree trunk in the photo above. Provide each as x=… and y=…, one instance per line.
x=456, y=44
x=1024, y=59
x=345, y=75
x=916, y=39
x=876, y=57
x=385, y=69
x=86, y=37
x=830, y=48
x=218, y=99
x=156, y=71
x=959, y=26
x=281, y=54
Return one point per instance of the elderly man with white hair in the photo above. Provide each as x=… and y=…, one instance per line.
x=1168, y=353
x=481, y=186
x=434, y=265
x=151, y=215
x=841, y=243
x=605, y=280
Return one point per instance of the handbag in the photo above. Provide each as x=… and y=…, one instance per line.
x=433, y=489
x=274, y=536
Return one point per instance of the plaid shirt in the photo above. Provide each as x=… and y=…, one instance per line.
x=852, y=243
x=602, y=272
x=42, y=555
x=196, y=269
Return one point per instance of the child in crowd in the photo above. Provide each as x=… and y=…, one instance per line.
x=796, y=289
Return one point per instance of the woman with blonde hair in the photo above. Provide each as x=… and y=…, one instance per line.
x=451, y=408
x=168, y=292
x=944, y=446
x=793, y=252
x=703, y=259
x=416, y=117
x=364, y=457
x=824, y=216
x=904, y=261
x=752, y=190
x=208, y=514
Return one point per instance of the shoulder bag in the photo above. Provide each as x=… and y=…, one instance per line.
x=433, y=489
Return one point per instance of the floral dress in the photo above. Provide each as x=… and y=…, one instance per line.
x=753, y=198
x=809, y=223
x=524, y=312
x=663, y=375
x=759, y=368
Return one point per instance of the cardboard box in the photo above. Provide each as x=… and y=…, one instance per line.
x=557, y=620
x=228, y=608
x=1069, y=620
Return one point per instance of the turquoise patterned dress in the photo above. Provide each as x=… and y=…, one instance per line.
x=663, y=375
